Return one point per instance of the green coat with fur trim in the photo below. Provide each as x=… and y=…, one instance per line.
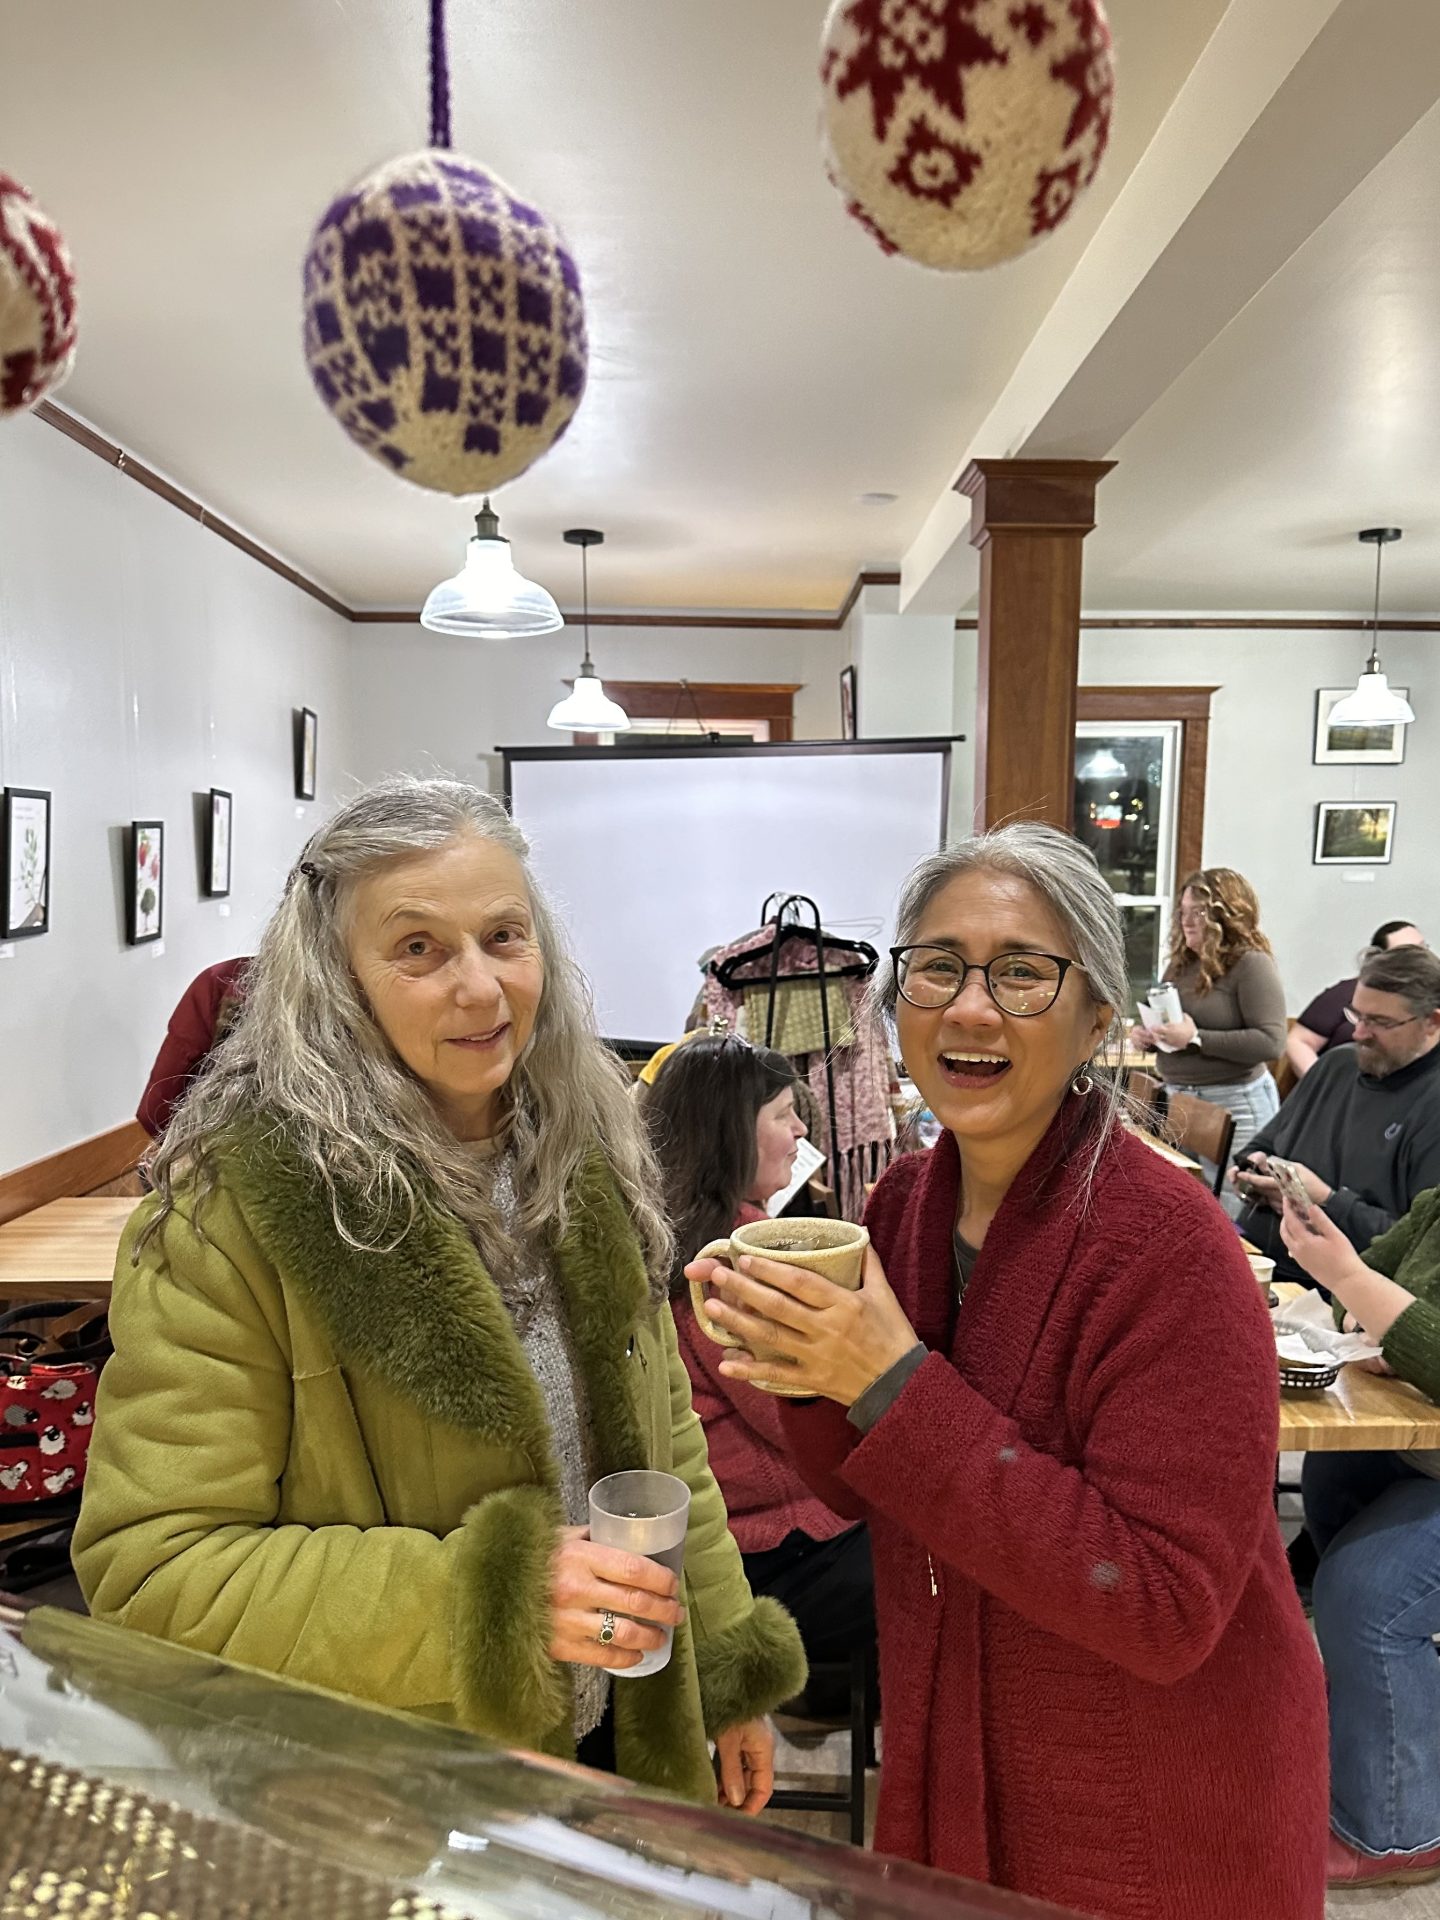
x=336, y=1466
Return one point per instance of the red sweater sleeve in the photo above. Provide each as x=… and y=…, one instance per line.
x=1138, y=1550
x=188, y=1038
x=820, y=1440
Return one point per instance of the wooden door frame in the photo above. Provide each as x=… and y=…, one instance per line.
x=716, y=699
x=1191, y=707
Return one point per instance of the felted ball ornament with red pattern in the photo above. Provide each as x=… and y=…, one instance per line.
x=961, y=131
x=37, y=301
x=444, y=324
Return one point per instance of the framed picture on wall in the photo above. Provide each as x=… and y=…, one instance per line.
x=307, y=731
x=145, y=882
x=217, y=844
x=24, y=863
x=1382, y=746
x=847, y=704
x=1348, y=834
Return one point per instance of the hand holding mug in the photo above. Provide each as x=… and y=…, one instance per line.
x=833, y=1249
x=822, y=1341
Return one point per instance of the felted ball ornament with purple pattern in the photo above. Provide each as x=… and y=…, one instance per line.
x=37, y=301
x=444, y=324
x=961, y=131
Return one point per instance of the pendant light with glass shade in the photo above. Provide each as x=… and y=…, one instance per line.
x=587, y=708
x=1373, y=704
x=488, y=599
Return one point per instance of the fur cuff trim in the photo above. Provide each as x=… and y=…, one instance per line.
x=506, y=1684
x=750, y=1668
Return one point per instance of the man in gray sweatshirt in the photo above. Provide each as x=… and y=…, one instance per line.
x=1363, y=1125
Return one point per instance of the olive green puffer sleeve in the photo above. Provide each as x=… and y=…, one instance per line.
x=748, y=1652
x=180, y=1533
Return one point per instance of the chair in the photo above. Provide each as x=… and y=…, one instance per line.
x=863, y=1707
x=1197, y=1127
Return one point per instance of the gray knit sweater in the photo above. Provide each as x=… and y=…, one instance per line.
x=534, y=1301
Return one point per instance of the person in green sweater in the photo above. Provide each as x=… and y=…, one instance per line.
x=1375, y=1520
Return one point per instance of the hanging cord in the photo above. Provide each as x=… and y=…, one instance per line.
x=439, y=78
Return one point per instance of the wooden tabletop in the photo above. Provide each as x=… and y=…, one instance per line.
x=63, y=1251
x=1361, y=1413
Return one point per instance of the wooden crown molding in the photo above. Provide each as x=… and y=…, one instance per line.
x=116, y=456
x=186, y=503
x=1195, y=623
x=133, y=469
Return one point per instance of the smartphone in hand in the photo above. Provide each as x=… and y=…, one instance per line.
x=1292, y=1187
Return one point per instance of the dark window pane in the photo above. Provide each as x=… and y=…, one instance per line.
x=1142, y=948
x=1117, y=806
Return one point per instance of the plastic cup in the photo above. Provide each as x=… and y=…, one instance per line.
x=644, y=1513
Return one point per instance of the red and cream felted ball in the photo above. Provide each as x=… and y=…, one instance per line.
x=444, y=324
x=959, y=132
x=37, y=301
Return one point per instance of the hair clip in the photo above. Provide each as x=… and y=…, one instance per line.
x=309, y=869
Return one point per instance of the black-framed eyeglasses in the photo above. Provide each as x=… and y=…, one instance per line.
x=1022, y=984
x=1380, y=1024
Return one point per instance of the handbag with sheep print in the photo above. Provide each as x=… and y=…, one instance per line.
x=50, y=1360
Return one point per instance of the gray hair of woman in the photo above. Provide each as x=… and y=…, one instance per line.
x=307, y=1055
x=1065, y=874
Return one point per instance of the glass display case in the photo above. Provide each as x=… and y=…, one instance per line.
x=137, y=1778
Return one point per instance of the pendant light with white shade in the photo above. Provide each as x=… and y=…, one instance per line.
x=489, y=599
x=587, y=708
x=1373, y=704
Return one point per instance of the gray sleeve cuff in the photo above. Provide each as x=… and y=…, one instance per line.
x=881, y=1394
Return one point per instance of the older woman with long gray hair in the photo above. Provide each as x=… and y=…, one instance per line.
x=1054, y=1399
x=399, y=1298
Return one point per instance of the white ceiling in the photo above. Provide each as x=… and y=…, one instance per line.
x=756, y=363
x=1315, y=413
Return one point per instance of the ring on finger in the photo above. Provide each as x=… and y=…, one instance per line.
x=607, y=1628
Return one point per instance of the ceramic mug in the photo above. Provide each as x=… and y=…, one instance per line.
x=832, y=1248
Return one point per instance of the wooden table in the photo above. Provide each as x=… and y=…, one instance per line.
x=1361, y=1413
x=63, y=1251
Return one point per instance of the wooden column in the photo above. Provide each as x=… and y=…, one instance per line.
x=1029, y=519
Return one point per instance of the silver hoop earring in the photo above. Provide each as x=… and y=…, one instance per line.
x=1082, y=1084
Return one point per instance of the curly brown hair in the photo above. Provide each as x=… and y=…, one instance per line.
x=1232, y=915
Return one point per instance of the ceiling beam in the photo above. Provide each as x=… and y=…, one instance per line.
x=1290, y=106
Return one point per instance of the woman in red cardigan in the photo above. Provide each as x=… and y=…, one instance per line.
x=1054, y=1398
x=722, y=1117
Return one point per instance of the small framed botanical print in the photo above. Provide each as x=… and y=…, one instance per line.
x=217, y=844
x=24, y=863
x=145, y=886
x=1350, y=835
x=1359, y=746
x=307, y=729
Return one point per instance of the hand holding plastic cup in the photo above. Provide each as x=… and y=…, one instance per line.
x=645, y=1513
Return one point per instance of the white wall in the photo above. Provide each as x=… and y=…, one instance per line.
x=142, y=660
x=1262, y=787
x=915, y=678
x=426, y=703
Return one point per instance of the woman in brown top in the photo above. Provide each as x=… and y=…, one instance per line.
x=1232, y=1022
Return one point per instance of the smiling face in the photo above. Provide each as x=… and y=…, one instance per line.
x=444, y=950
x=778, y=1133
x=987, y=1075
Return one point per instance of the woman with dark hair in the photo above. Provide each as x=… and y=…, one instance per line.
x=1325, y=1022
x=723, y=1121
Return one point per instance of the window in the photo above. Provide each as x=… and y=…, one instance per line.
x=1140, y=769
x=1125, y=812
